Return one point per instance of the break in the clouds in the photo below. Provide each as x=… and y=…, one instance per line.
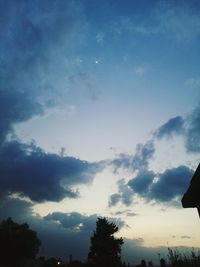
x=29, y=171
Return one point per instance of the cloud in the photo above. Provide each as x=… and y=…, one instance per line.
x=128, y=213
x=172, y=126
x=193, y=131
x=140, y=70
x=15, y=107
x=170, y=19
x=124, y=194
x=185, y=237
x=37, y=41
x=171, y=184
x=179, y=20
x=163, y=187
x=29, y=171
x=188, y=127
x=75, y=221
x=138, y=161
x=142, y=156
x=114, y=199
x=142, y=182
x=193, y=82
x=125, y=191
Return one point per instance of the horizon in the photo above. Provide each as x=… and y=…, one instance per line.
x=100, y=117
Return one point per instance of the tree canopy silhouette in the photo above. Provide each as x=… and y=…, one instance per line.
x=105, y=249
x=18, y=242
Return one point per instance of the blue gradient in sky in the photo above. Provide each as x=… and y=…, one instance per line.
x=87, y=86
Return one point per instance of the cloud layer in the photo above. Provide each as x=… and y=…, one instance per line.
x=29, y=171
x=163, y=187
x=38, y=41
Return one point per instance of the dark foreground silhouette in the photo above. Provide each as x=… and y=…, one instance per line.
x=191, y=199
x=20, y=245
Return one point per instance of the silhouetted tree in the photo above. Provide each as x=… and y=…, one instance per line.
x=18, y=242
x=105, y=249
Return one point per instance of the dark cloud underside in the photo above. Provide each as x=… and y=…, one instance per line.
x=29, y=171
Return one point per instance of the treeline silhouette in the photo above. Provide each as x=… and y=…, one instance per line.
x=19, y=246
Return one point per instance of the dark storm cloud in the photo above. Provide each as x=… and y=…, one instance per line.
x=15, y=107
x=166, y=186
x=36, y=40
x=142, y=182
x=29, y=171
x=172, y=126
x=163, y=187
x=171, y=184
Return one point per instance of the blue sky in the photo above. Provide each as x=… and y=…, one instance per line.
x=100, y=116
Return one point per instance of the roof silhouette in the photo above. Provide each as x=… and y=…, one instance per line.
x=191, y=199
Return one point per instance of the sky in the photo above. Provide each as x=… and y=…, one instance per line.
x=100, y=116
